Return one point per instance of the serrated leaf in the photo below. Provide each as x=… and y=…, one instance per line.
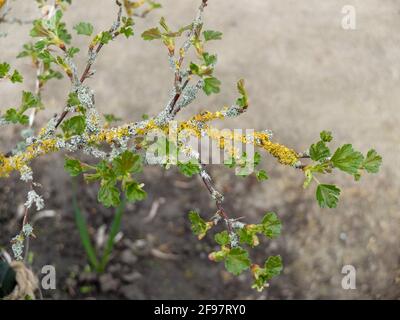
x=222, y=238
x=16, y=77
x=84, y=28
x=327, y=195
x=109, y=195
x=273, y=266
x=326, y=136
x=74, y=126
x=237, y=261
x=319, y=151
x=372, y=162
x=4, y=69
x=271, y=225
x=211, y=85
x=134, y=192
x=249, y=236
x=198, y=225
x=189, y=169
x=262, y=175
x=209, y=59
x=347, y=159
x=127, y=162
x=73, y=167
x=212, y=35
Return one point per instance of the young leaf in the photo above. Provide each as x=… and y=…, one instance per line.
x=127, y=162
x=272, y=267
x=105, y=37
x=327, y=195
x=271, y=225
x=84, y=28
x=151, y=34
x=73, y=167
x=319, y=151
x=222, y=238
x=74, y=126
x=209, y=59
x=211, y=85
x=347, y=159
x=372, y=162
x=212, y=35
x=189, y=169
x=237, y=261
x=326, y=136
x=262, y=175
x=199, y=226
x=109, y=195
x=134, y=192
x=4, y=69
x=248, y=235
x=16, y=77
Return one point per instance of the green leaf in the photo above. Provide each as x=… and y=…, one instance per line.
x=327, y=195
x=271, y=225
x=84, y=235
x=211, y=85
x=105, y=37
x=262, y=175
x=134, y=192
x=244, y=100
x=248, y=235
x=84, y=28
x=115, y=228
x=151, y=34
x=372, y=162
x=4, y=69
x=127, y=31
x=222, y=238
x=16, y=77
x=319, y=151
x=237, y=261
x=72, y=51
x=126, y=163
x=189, y=169
x=326, y=136
x=73, y=99
x=198, y=225
x=212, y=35
x=209, y=59
x=347, y=159
x=74, y=126
x=13, y=116
x=109, y=195
x=272, y=268
x=29, y=100
x=308, y=178
x=73, y=167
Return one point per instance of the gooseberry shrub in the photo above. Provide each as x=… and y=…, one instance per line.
x=120, y=152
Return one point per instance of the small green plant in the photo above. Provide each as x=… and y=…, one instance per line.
x=98, y=262
x=120, y=152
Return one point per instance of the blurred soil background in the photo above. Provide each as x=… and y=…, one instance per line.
x=304, y=74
